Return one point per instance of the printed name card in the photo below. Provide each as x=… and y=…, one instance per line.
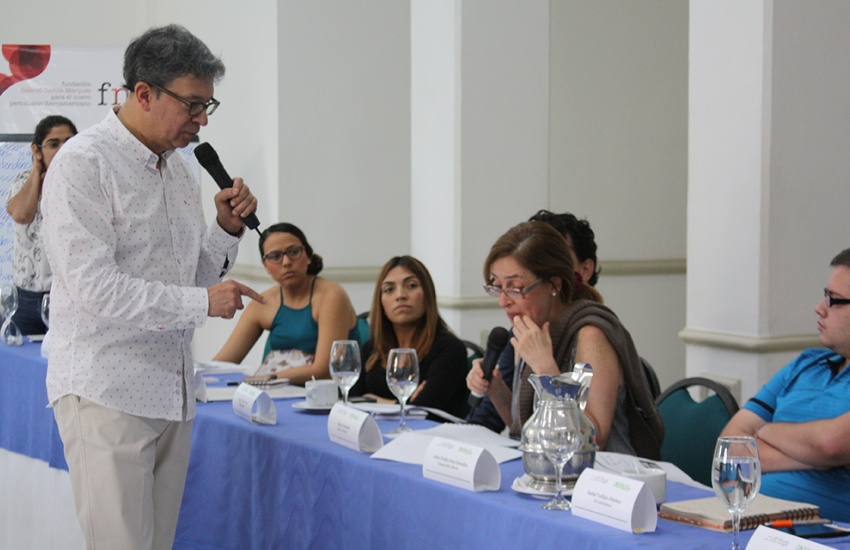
x=462, y=465
x=200, y=387
x=616, y=501
x=766, y=538
x=354, y=429
x=254, y=405
x=45, y=344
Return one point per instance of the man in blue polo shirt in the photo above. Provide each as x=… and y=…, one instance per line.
x=801, y=417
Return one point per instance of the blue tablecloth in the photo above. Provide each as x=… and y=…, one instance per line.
x=27, y=426
x=288, y=486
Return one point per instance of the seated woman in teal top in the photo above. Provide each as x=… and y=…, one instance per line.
x=303, y=313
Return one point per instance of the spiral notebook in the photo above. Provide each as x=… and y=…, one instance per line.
x=710, y=513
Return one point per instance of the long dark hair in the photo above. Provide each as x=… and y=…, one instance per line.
x=383, y=337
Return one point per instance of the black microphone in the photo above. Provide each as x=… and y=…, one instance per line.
x=208, y=158
x=496, y=344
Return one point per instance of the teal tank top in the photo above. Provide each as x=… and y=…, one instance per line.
x=297, y=329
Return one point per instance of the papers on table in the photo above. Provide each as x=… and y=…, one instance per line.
x=471, y=433
x=411, y=447
x=226, y=393
x=619, y=463
x=218, y=367
x=385, y=411
x=766, y=538
x=389, y=411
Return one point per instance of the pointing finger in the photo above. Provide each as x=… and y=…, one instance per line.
x=251, y=293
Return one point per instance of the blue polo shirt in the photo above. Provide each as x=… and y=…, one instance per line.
x=802, y=391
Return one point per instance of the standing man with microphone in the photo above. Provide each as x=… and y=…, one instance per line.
x=136, y=270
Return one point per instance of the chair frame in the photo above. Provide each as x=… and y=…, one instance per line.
x=474, y=347
x=722, y=391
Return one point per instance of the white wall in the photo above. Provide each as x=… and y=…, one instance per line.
x=344, y=96
x=316, y=116
x=809, y=164
x=768, y=168
x=244, y=130
x=340, y=104
x=618, y=157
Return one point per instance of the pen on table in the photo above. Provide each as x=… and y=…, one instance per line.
x=234, y=383
x=786, y=523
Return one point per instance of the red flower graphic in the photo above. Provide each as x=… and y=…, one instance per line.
x=25, y=62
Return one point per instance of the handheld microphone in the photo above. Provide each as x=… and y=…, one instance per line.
x=497, y=341
x=208, y=158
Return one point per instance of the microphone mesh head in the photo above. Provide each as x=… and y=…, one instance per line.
x=205, y=154
x=498, y=338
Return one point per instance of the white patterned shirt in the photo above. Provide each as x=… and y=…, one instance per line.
x=131, y=260
x=30, y=268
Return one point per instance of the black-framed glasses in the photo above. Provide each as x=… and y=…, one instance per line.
x=512, y=293
x=276, y=256
x=832, y=300
x=195, y=107
x=53, y=144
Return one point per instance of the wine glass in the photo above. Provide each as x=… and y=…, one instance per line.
x=8, y=301
x=736, y=477
x=345, y=365
x=402, y=378
x=45, y=310
x=559, y=436
x=8, y=306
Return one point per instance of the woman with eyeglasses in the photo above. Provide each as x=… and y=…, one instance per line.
x=404, y=315
x=558, y=321
x=303, y=313
x=31, y=273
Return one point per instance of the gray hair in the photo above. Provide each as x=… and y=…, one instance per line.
x=162, y=54
x=842, y=259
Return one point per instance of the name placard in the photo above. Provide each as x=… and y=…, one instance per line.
x=616, y=501
x=354, y=429
x=766, y=538
x=254, y=405
x=462, y=465
x=200, y=387
x=45, y=344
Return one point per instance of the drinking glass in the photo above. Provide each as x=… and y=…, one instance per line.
x=8, y=306
x=402, y=378
x=736, y=477
x=45, y=310
x=345, y=365
x=559, y=436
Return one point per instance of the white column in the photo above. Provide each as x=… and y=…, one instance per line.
x=767, y=180
x=479, y=143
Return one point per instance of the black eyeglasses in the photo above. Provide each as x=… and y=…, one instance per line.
x=53, y=144
x=195, y=107
x=512, y=293
x=276, y=256
x=833, y=301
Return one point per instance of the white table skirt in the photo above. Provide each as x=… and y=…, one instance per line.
x=36, y=505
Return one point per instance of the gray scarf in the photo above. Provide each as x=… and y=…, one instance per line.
x=646, y=427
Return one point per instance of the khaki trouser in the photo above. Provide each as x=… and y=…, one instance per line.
x=127, y=474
